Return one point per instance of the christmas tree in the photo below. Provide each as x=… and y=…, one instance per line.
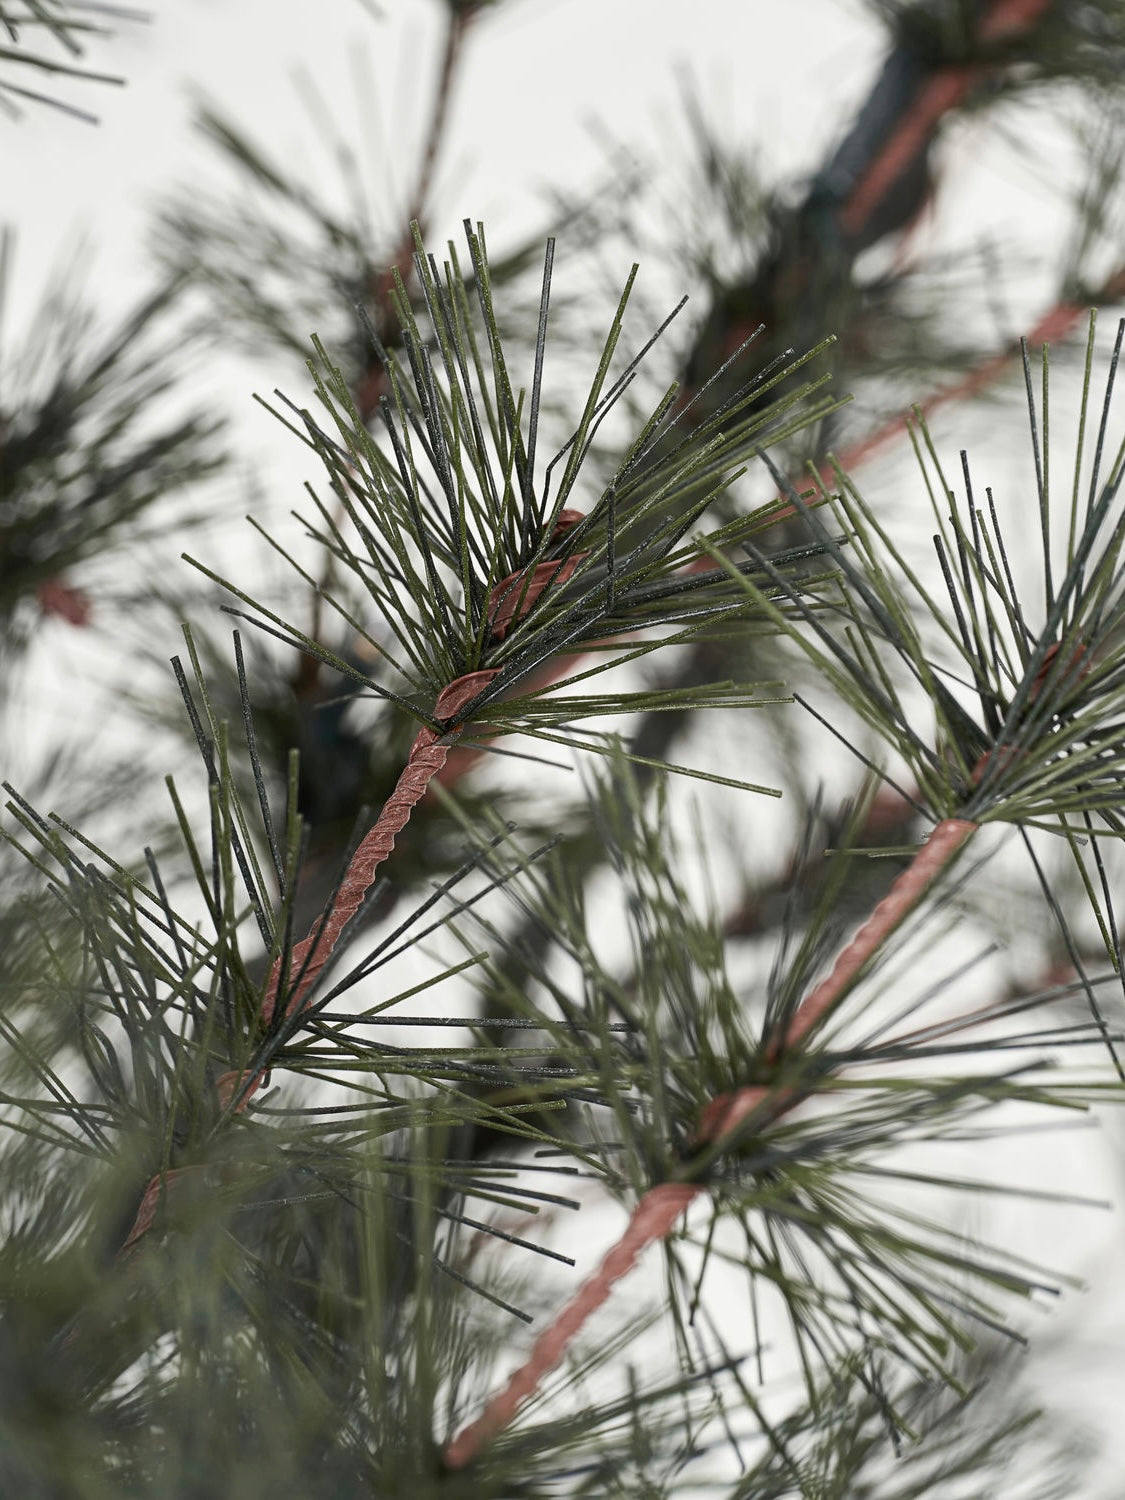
x=462, y=1076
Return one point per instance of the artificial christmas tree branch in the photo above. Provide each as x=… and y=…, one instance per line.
x=69, y=379
x=506, y=619
x=920, y=46
x=1048, y=672
x=310, y=957
x=869, y=191
x=662, y=1207
x=373, y=384
x=864, y=195
x=317, y=1287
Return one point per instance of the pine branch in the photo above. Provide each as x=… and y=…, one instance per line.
x=1002, y=21
x=70, y=387
x=1050, y=673
x=662, y=1207
x=303, y=966
x=506, y=586
x=473, y=568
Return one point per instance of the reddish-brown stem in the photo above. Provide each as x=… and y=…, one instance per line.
x=521, y=599
x=57, y=597
x=428, y=755
x=1054, y=324
x=151, y=1200
x=513, y=596
x=727, y=1111
x=1005, y=18
x=660, y=1209
x=427, y=758
x=904, y=895
x=309, y=958
x=941, y=94
x=1010, y=18
x=653, y=1219
x=888, y=818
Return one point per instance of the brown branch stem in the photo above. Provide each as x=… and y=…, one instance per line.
x=653, y=1219
x=920, y=876
x=944, y=92
x=1056, y=323
x=311, y=956
x=661, y=1208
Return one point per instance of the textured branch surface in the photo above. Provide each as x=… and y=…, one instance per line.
x=659, y=1210
x=922, y=872
x=514, y=596
x=309, y=958
x=653, y=1219
x=510, y=601
x=151, y=1200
